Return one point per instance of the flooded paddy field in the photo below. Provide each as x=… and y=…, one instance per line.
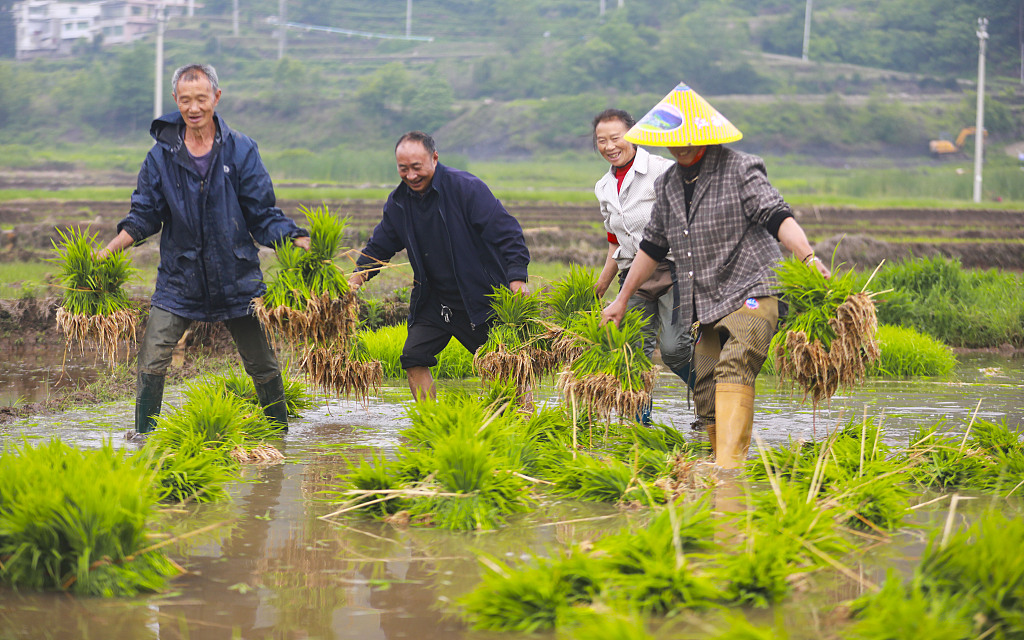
x=269, y=567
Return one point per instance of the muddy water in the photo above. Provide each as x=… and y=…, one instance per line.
x=33, y=375
x=275, y=570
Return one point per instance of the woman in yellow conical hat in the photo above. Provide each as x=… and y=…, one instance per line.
x=723, y=222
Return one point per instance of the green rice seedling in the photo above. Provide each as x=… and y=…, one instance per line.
x=983, y=566
x=943, y=461
x=829, y=337
x=566, y=299
x=196, y=474
x=238, y=383
x=531, y=598
x=735, y=626
x=761, y=573
x=898, y=611
x=77, y=521
x=905, y=353
x=376, y=474
x=95, y=305
x=612, y=373
x=308, y=298
x=588, y=624
x=996, y=438
x=664, y=585
x=674, y=530
x=473, y=492
x=599, y=480
x=512, y=351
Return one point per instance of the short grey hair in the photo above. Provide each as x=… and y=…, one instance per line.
x=191, y=72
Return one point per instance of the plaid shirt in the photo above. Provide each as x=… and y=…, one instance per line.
x=724, y=254
x=627, y=211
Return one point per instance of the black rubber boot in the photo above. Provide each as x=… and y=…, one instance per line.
x=271, y=397
x=149, y=395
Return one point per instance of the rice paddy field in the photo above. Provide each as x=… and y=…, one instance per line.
x=892, y=509
x=266, y=564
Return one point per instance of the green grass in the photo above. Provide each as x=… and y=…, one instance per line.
x=19, y=279
x=906, y=353
x=385, y=344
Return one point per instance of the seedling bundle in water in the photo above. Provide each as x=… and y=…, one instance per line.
x=612, y=372
x=567, y=300
x=310, y=305
x=828, y=339
x=95, y=306
x=513, y=351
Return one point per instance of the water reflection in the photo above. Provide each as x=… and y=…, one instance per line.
x=276, y=570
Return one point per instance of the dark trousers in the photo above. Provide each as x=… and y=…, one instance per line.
x=164, y=329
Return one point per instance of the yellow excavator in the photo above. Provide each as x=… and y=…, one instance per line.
x=946, y=147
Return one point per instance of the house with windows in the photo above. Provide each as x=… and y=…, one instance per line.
x=52, y=28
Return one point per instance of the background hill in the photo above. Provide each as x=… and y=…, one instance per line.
x=522, y=78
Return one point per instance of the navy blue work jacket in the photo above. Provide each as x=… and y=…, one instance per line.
x=209, y=267
x=486, y=242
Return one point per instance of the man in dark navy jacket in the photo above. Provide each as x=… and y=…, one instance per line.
x=203, y=186
x=461, y=243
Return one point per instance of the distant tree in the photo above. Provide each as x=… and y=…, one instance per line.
x=15, y=97
x=130, y=100
x=7, y=30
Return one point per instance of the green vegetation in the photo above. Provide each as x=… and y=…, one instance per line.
x=385, y=346
x=905, y=353
x=959, y=307
x=77, y=521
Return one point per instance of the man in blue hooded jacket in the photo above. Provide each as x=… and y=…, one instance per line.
x=204, y=188
x=461, y=243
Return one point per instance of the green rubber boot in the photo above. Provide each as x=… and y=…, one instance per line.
x=271, y=397
x=149, y=395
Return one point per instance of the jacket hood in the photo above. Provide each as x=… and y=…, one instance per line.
x=169, y=129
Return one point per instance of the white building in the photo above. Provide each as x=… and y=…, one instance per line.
x=51, y=28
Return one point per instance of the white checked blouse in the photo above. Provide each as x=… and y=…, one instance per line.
x=627, y=211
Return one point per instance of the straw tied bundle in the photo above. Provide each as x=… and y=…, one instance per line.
x=612, y=373
x=95, y=306
x=829, y=338
x=310, y=306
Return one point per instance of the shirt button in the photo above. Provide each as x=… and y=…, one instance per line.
x=691, y=274
x=688, y=254
x=686, y=232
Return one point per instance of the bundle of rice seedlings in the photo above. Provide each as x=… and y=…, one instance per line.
x=567, y=298
x=612, y=373
x=828, y=339
x=308, y=298
x=532, y=598
x=513, y=351
x=334, y=369
x=95, y=306
x=385, y=346
x=196, y=448
x=900, y=610
x=76, y=521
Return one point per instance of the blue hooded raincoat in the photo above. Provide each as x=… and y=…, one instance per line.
x=209, y=266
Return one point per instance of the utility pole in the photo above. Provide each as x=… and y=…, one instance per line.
x=408, y=18
x=979, y=127
x=282, y=20
x=158, y=88
x=601, y=8
x=807, y=31
x=234, y=17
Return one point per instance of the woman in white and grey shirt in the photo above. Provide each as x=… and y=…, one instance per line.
x=626, y=196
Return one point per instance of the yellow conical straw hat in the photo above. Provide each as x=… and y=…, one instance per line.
x=683, y=119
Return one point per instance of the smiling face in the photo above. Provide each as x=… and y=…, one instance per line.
x=196, y=101
x=686, y=156
x=415, y=165
x=609, y=136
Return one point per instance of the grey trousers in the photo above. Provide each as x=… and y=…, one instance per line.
x=164, y=329
x=673, y=339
